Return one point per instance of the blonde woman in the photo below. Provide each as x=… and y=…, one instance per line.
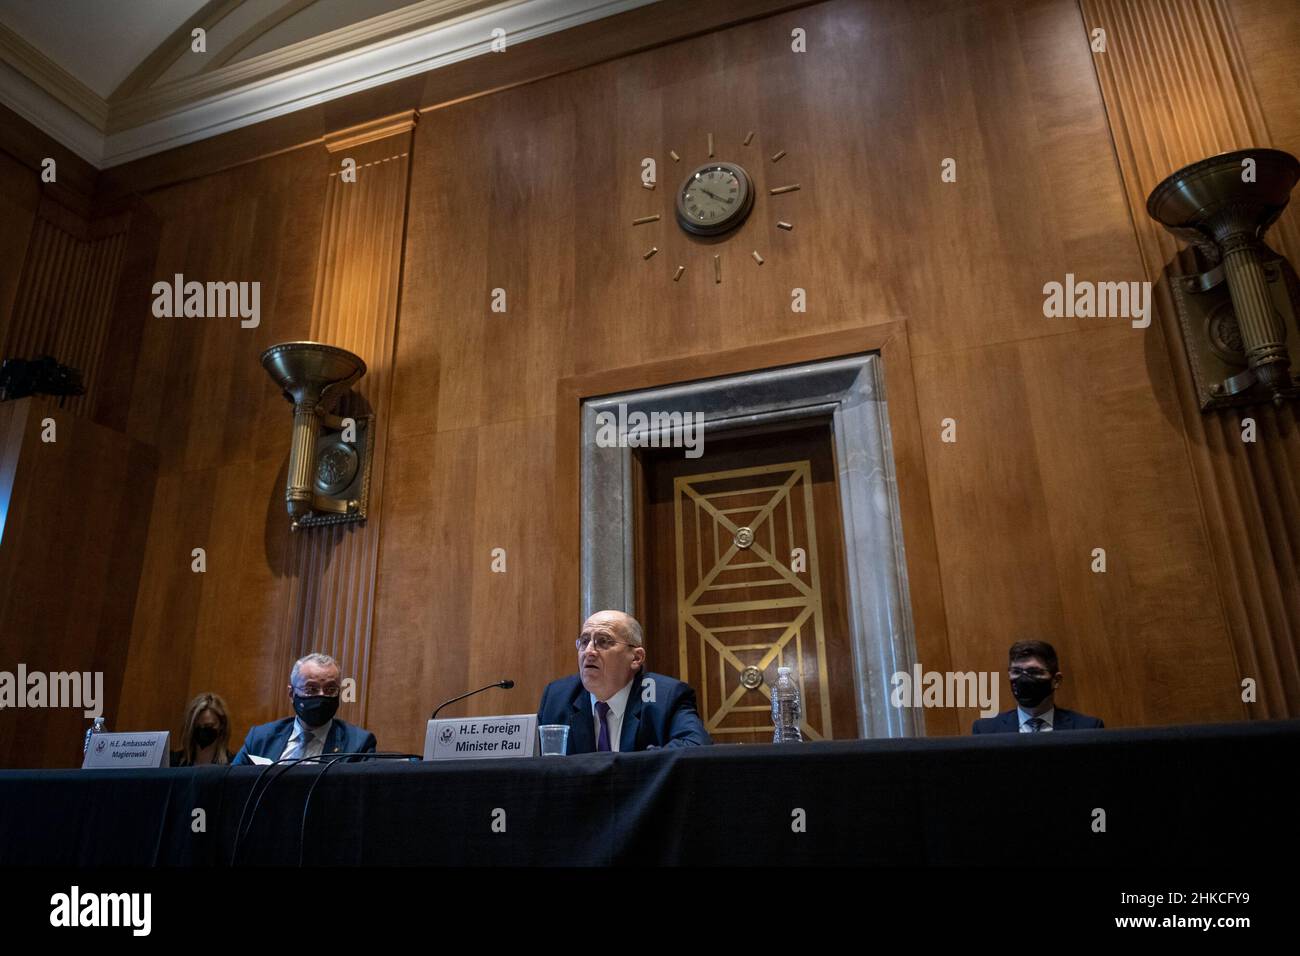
x=204, y=734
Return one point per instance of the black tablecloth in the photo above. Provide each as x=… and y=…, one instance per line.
x=1170, y=796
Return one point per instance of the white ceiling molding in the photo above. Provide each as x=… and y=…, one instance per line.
x=176, y=44
x=163, y=98
x=258, y=30
x=48, y=75
x=417, y=38
x=50, y=115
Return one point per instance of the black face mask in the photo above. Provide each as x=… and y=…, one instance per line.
x=1031, y=691
x=315, y=711
x=206, y=736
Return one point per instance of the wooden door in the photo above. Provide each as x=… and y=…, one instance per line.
x=742, y=567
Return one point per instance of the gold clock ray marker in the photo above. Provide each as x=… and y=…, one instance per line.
x=716, y=198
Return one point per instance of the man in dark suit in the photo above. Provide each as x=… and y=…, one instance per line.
x=612, y=703
x=315, y=731
x=1035, y=675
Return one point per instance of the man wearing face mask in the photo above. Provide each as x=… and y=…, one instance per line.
x=314, y=690
x=1035, y=675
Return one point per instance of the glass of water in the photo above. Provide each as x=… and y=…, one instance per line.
x=555, y=739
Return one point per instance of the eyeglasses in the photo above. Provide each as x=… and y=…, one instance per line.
x=602, y=642
x=316, y=690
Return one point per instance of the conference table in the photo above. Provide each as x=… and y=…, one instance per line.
x=1183, y=795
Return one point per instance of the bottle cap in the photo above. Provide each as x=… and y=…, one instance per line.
x=783, y=671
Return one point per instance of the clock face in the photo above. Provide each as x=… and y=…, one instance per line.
x=715, y=198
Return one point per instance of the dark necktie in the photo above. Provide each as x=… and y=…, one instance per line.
x=1035, y=724
x=602, y=712
x=303, y=743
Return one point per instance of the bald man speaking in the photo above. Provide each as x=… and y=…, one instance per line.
x=613, y=703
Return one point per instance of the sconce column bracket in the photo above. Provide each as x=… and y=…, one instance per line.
x=1238, y=317
x=329, y=457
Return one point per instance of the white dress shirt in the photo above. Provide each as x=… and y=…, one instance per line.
x=614, y=719
x=319, y=736
x=1025, y=716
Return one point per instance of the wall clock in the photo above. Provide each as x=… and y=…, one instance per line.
x=714, y=199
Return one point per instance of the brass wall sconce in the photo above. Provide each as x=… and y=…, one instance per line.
x=329, y=476
x=1238, y=317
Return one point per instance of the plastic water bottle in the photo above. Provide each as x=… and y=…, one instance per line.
x=96, y=728
x=787, y=711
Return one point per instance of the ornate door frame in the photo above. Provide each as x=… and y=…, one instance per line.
x=851, y=390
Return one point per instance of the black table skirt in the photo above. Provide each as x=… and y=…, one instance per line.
x=1194, y=795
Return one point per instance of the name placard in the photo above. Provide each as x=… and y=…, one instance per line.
x=461, y=738
x=119, y=751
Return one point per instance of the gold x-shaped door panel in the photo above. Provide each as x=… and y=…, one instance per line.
x=749, y=595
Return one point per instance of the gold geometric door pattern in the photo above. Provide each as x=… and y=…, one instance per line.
x=744, y=608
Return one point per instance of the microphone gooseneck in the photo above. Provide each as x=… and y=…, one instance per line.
x=504, y=684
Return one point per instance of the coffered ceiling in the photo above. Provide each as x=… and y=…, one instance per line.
x=115, y=80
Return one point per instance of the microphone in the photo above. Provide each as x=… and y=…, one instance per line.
x=504, y=684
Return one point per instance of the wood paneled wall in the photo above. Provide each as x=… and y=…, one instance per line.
x=19, y=198
x=221, y=429
x=75, y=492
x=1065, y=443
x=1072, y=434
x=332, y=590
x=72, y=538
x=1162, y=78
x=65, y=303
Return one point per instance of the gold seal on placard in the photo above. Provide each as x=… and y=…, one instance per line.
x=751, y=678
x=744, y=537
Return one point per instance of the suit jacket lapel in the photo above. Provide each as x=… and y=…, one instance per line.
x=631, y=718
x=1012, y=719
x=1062, y=720
x=334, y=741
x=582, y=738
x=279, y=740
